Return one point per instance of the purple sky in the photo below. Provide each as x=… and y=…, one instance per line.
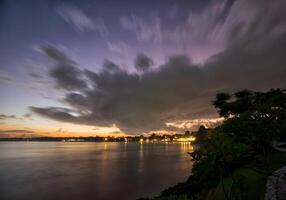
x=135, y=65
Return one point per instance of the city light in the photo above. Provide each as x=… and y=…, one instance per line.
x=188, y=139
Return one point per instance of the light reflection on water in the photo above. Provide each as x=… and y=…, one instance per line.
x=58, y=170
x=186, y=147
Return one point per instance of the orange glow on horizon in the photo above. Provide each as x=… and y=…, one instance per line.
x=38, y=128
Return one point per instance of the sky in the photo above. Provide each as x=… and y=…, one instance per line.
x=94, y=67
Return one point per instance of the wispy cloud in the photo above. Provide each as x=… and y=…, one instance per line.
x=5, y=78
x=209, y=31
x=77, y=17
x=203, y=28
x=150, y=31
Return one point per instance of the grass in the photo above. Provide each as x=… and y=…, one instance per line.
x=247, y=183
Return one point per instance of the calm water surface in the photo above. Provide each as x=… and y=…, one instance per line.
x=100, y=171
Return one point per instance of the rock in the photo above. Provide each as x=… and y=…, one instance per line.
x=276, y=185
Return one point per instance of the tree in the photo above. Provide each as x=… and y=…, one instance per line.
x=187, y=133
x=202, y=129
x=201, y=134
x=253, y=120
x=256, y=119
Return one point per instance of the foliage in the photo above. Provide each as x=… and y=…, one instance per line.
x=202, y=134
x=253, y=120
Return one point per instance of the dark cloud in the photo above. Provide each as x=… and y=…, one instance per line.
x=243, y=67
x=67, y=77
x=143, y=62
x=65, y=72
x=178, y=89
x=60, y=114
x=56, y=54
x=35, y=75
x=77, y=101
x=4, y=78
x=110, y=66
x=28, y=116
x=4, y=117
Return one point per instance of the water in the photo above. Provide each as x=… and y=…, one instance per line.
x=100, y=171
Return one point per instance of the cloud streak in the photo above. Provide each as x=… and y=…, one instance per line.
x=4, y=117
x=75, y=16
x=209, y=31
x=15, y=131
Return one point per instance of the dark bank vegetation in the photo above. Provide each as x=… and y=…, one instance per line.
x=235, y=158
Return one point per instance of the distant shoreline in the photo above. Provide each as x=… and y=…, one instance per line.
x=80, y=140
x=153, y=138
